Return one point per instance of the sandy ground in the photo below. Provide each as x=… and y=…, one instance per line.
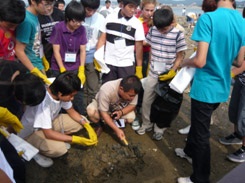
x=144, y=160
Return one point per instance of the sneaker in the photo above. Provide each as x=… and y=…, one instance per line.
x=142, y=130
x=135, y=125
x=230, y=140
x=185, y=130
x=238, y=156
x=180, y=152
x=43, y=161
x=157, y=136
x=184, y=180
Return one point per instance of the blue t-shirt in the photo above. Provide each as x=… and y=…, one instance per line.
x=28, y=32
x=223, y=30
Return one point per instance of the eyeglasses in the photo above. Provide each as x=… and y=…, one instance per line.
x=47, y=5
x=77, y=22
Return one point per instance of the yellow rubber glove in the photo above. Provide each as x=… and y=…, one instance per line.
x=91, y=133
x=81, y=74
x=167, y=76
x=138, y=72
x=62, y=69
x=83, y=141
x=97, y=65
x=232, y=75
x=45, y=63
x=38, y=73
x=9, y=119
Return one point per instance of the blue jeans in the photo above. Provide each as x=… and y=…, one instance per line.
x=237, y=107
x=197, y=145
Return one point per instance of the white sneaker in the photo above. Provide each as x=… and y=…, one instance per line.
x=43, y=161
x=185, y=130
x=184, y=180
x=180, y=152
x=142, y=130
x=135, y=125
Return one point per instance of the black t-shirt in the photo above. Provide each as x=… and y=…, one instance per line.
x=46, y=24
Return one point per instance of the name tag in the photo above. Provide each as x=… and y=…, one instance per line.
x=159, y=66
x=70, y=57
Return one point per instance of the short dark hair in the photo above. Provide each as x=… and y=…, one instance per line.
x=209, y=5
x=65, y=83
x=57, y=2
x=12, y=11
x=131, y=82
x=29, y=89
x=93, y=4
x=163, y=18
x=39, y=1
x=74, y=11
x=136, y=2
x=107, y=1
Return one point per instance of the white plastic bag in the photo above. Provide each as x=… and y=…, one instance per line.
x=183, y=78
x=99, y=56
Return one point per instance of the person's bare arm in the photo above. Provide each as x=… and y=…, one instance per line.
x=20, y=53
x=3, y=177
x=101, y=41
x=75, y=116
x=57, y=56
x=109, y=121
x=54, y=135
x=178, y=60
x=82, y=55
x=199, y=60
x=240, y=58
x=139, y=52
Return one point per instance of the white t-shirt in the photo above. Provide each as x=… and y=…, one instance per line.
x=42, y=115
x=120, y=52
x=92, y=25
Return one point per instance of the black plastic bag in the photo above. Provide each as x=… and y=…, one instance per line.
x=165, y=107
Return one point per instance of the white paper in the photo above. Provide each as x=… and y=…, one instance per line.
x=99, y=56
x=21, y=145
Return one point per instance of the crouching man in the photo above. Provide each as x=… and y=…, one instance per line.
x=116, y=99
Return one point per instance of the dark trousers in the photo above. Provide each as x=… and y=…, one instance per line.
x=14, y=160
x=117, y=72
x=198, y=146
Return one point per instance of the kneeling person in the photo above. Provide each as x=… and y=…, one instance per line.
x=48, y=130
x=116, y=99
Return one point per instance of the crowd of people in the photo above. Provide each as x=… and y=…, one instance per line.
x=49, y=38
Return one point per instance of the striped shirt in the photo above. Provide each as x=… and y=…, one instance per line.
x=130, y=30
x=164, y=48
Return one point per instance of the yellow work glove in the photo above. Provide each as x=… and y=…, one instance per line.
x=81, y=74
x=91, y=133
x=9, y=119
x=97, y=65
x=232, y=75
x=138, y=72
x=169, y=75
x=45, y=63
x=83, y=141
x=38, y=73
x=62, y=69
